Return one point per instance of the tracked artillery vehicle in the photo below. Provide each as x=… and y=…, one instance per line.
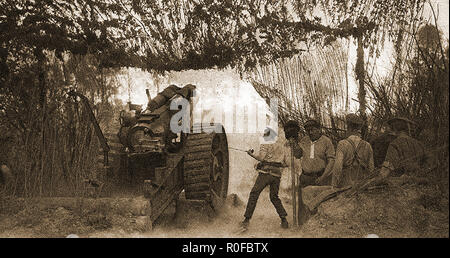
x=146, y=155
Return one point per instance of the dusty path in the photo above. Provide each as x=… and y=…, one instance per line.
x=190, y=222
x=194, y=222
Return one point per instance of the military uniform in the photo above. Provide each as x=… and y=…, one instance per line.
x=354, y=158
x=405, y=154
x=404, y=148
x=354, y=161
x=269, y=175
x=380, y=145
x=316, y=155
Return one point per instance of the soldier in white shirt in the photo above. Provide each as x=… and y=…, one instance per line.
x=318, y=155
x=273, y=158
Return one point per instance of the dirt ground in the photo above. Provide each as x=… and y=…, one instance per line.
x=412, y=211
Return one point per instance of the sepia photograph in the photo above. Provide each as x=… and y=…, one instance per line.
x=241, y=121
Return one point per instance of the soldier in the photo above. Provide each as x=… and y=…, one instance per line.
x=354, y=156
x=272, y=159
x=318, y=155
x=404, y=154
x=380, y=145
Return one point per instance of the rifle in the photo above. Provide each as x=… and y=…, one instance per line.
x=376, y=178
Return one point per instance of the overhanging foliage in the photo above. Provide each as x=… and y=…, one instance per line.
x=195, y=34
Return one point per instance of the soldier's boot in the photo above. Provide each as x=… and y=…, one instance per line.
x=284, y=223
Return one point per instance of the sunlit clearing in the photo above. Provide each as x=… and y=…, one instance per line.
x=133, y=83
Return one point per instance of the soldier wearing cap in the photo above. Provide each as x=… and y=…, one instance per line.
x=318, y=155
x=354, y=156
x=404, y=154
x=272, y=159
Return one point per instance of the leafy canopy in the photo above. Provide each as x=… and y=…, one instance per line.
x=167, y=35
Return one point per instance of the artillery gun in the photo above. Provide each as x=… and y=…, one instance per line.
x=146, y=155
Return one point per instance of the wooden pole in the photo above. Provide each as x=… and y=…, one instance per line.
x=294, y=201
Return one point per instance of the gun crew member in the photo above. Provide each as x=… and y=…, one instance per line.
x=404, y=148
x=318, y=155
x=354, y=156
x=272, y=159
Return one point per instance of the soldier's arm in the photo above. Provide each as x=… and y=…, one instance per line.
x=392, y=158
x=330, y=155
x=328, y=171
x=260, y=155
x=337, y=167
x=255, y=156
x=330, y=152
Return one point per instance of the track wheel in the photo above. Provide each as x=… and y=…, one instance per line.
x=206, y=166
